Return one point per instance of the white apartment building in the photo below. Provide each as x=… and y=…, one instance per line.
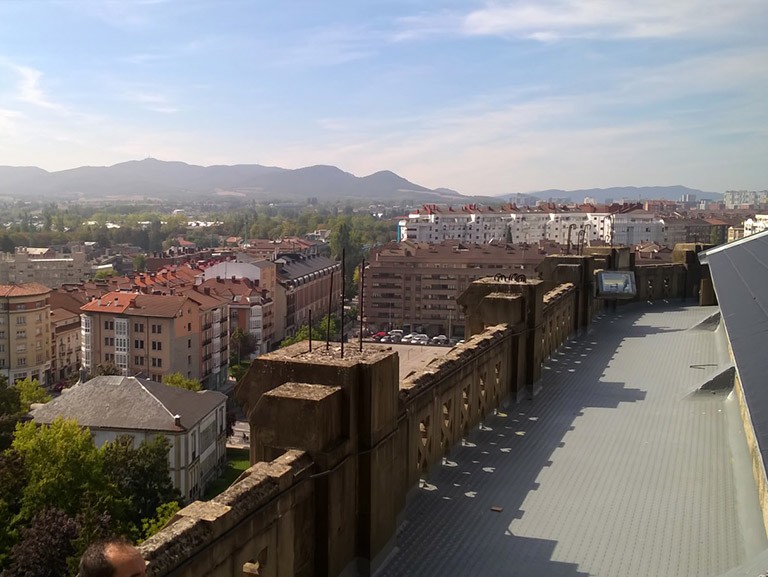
x=481, y=225
x=757, y=224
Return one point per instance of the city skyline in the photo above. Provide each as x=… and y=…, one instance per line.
x=483, y=97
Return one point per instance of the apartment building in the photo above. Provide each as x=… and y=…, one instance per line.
x=304, y=284
x=65, y=344
x=414, y=286
x=566, y=225
x=25, y=332
x=249, y=289
x=152, y=335
x=44, y=266
x=750, y=198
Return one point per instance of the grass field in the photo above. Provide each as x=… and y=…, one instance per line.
x=237, y=462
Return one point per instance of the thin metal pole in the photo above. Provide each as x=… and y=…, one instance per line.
x=362, y=302
x=343, y=287
x=310, y=330
x=328, y=318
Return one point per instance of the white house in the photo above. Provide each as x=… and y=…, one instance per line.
x=194, y=422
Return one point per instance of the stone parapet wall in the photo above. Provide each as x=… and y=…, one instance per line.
x=265, y=516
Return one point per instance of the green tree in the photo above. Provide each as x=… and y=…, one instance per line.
x=77, y=477
x=13, y=478
x=140, y=263
x=10, y=412
x=318, y=333
x=30, y=392
x=46, y=544
x=163, y=514
x=182, y=382
x=141, y=475
x=105, y=273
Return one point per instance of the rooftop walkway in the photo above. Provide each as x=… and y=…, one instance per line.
x=620, y=466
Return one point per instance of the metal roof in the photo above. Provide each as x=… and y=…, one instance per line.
x=620, y=466
x=740, y=276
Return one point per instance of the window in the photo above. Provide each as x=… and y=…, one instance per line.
x=156, y=362
x=138, y=361
x=22, y=361
x=22, y=348
x=189, y=327
x=138, y=344
x=157, y=329
x=157, y=345
x=189, y=359
x=21, y=320
x=21, y=334
x=138, y=327
x=109, y=325
x=189, y=343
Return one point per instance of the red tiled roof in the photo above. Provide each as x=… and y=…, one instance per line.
x=23, y=290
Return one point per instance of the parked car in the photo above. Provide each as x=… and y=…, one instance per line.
x=439, y=340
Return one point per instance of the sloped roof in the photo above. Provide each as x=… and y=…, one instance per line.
x=129, y=403
x=23, y=290
x=740, y=275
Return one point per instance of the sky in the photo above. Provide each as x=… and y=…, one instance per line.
x=483, y=97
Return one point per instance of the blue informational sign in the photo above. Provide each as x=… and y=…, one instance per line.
x=616, y=284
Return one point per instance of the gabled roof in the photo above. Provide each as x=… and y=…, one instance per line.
x=129, y=403
x=740, y=275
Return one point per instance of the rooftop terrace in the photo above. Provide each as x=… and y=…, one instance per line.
x=621, y=465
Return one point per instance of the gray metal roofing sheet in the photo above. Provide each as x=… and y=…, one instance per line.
x=619, y=467
x=740, y=276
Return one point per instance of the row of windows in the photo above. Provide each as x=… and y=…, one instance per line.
x=137, y=344
x=137, y=327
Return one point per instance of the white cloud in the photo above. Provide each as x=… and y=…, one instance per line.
x=548, y=20
x=29, y=88
x=154, y=102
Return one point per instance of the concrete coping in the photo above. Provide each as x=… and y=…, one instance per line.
x=299, y=353
x=303, y=391
x=475, y=346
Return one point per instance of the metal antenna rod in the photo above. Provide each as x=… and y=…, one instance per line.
x=328, y=318
x=343, y=287
x=362, y=302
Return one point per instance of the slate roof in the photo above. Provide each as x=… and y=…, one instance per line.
x=114, y=402
x=740, y=275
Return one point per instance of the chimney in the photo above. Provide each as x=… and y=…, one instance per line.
x=177, y=420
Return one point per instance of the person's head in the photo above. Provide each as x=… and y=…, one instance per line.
x=112, y=558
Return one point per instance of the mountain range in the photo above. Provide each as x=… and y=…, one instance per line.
x=178, y=181
x=151, y=178
x=619, y=194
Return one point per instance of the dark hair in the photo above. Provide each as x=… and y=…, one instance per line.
x=94, y=562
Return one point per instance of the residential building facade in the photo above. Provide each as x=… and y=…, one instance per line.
x=25, y=332
x=65, y=344
x=153, y=335
x=43, y=266
x=413, y=286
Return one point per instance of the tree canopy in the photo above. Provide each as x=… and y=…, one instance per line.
x=180, y=381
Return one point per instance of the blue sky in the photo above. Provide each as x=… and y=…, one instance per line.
x=486, y=97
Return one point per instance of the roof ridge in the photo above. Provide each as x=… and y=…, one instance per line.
x=154, y=397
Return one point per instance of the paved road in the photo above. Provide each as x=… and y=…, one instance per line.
x=619, y=468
